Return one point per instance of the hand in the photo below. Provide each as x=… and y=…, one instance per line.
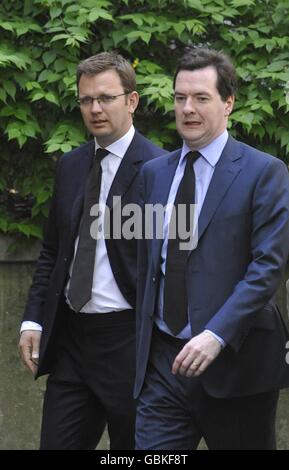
x=196, y=355
x=29, y=349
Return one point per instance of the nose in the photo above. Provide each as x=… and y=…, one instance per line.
x=95, y=107
x=189, y=106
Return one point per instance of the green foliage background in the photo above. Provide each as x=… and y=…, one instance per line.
x=42, y=41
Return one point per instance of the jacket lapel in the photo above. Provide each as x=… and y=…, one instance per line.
x=225, y=172
x=84, y=165
x=160, y=196
x=127, y=170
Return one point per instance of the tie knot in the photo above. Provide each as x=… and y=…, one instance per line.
x=193, y=156
x=101, y=153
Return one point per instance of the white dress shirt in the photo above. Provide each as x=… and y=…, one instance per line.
x=105, y=296
x=204, y=168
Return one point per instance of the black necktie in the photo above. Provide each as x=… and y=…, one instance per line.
x=175, y=311
x=82, y=274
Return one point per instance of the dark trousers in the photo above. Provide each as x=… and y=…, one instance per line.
x=91, y=383
x=175, y=412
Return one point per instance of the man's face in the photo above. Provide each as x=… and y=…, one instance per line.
x=107, y=121
x=201, y=115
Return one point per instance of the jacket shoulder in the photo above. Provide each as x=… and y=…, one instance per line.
x=257, y=157
x=162, y=160
x=79, y=151
x=151, y=150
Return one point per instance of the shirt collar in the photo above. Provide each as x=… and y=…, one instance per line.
x=211, y=152
x=120, y=146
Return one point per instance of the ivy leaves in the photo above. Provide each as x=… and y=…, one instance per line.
x=42, y=42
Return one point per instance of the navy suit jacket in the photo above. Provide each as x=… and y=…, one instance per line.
x=233, y=274
x=45, y=299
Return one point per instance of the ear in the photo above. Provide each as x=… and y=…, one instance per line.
x=229, y=105
x=133, y=100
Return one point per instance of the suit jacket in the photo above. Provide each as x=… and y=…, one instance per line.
x=233, y=273
x=45, y=299
x=287, y=290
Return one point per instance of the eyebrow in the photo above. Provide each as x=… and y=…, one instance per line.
x=199, y=93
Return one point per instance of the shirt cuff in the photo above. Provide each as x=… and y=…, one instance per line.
x=30, y=325
x=218, y=338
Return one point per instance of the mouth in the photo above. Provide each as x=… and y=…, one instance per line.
x=192, y=123
x=98, y=122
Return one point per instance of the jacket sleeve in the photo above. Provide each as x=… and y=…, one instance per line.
x=269, y=254
x=46, y=260
x=141, y=253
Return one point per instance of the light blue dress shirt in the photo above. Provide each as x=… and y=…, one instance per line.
x=204, y=169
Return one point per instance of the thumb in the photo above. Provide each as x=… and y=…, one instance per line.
x=35, y=349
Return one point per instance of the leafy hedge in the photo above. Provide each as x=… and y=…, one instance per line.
x=42, y=41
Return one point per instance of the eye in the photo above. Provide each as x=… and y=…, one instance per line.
x=106, y=98
x=85, y=100
x=203, y=99
x=180, y=98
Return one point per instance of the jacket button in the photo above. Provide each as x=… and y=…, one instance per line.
x=154, y=279
x=65, y=260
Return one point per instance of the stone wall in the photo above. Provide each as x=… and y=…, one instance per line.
x=31, y=255
x=26, y=255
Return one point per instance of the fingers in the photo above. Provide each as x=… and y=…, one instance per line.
x=34, y=359
x=196, y=355
x=183, y=361
x=189, y=363
x=29, y=349
x=35, y=351
x=197, y=368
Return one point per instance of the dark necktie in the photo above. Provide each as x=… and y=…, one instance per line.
x=175, y=311
x=82, y=274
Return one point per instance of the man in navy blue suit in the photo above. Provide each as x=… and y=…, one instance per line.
x=79, y=321
x=287, y=290
x=210, y=339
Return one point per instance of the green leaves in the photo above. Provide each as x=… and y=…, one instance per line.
x=19, y=26
x=97, y=13
x=158, y=90
x=10, y=56
x=42, y=41
x=21, y=132
x=244, y=117
x=146, y=26
x=26, y=229
x=64, y=137
x=9, y=88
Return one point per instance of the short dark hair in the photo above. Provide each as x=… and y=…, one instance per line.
x=201, y=57
x=108, y=61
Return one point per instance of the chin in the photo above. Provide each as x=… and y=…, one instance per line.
x=192, y=139
x=99, y=133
